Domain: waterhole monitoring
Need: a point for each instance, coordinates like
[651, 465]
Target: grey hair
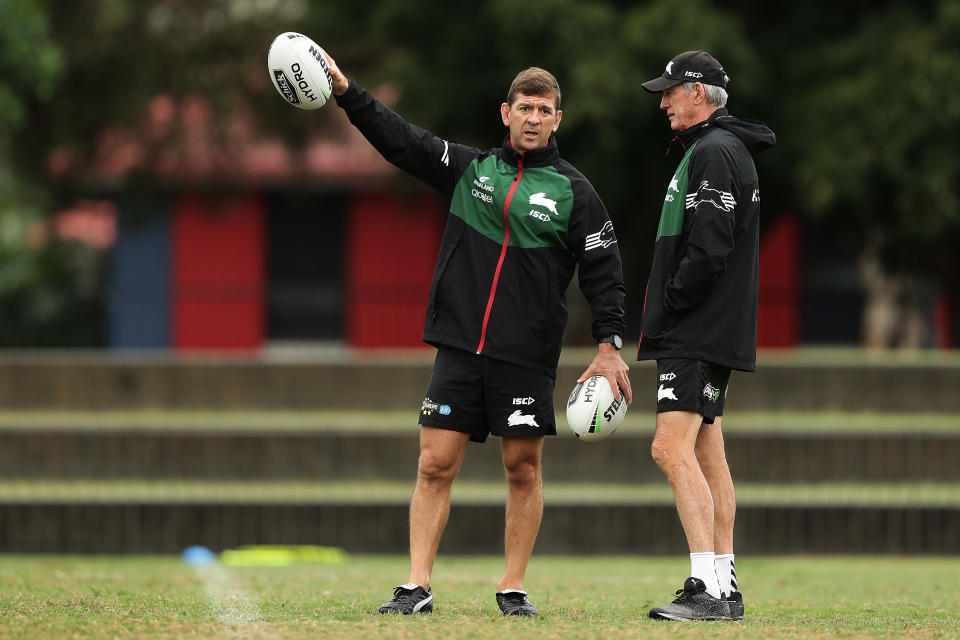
[717, 96]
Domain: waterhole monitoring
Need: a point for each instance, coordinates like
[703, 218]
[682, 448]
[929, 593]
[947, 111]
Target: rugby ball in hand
[592, 412]
[299, 70]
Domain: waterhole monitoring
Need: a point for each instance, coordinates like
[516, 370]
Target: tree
[40, 300]
[875, 156]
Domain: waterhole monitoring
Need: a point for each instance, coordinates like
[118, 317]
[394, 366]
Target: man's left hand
[609, 364]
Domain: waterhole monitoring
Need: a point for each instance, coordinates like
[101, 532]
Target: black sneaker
[513, 602]
[693, 603]
[735, 602]
[409, 598]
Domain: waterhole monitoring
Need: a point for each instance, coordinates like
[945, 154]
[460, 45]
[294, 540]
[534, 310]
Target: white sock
[726, 572]
[701, 566]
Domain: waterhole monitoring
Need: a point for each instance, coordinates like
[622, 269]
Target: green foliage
[50, 295]
[123, 55]
[30, 64]
[48, 289]
[30, 67]
[873, 128]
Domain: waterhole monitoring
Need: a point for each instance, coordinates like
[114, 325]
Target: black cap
[689, 66]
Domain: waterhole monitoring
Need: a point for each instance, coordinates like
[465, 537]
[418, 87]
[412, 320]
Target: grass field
[579, 597]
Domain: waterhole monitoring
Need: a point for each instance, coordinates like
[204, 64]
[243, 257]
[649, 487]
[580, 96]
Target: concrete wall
[269, 454]
[382, 528]
[372, 383]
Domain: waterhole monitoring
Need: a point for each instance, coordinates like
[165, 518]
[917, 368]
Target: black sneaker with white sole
[513, 602]
[693, 603]
[409, 598]
[735, 602]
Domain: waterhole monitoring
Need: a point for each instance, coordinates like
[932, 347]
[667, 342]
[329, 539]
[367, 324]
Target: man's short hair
[716, 96]
[534, 82]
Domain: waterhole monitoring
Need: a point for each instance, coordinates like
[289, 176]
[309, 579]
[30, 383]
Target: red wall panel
[778, 314]
[392, 244]
[218, 272]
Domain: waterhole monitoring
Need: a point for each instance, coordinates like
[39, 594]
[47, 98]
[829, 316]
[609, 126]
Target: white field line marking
[229, 603]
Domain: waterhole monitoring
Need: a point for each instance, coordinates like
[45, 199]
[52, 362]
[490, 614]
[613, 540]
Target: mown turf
[579, 597]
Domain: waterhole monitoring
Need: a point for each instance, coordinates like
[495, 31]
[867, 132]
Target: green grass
[914, 494]
[579, 597]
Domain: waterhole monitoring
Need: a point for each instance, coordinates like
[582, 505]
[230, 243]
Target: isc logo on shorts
[523, 401]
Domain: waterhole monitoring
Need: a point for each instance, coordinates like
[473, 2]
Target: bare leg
[673, 450]
[521, 460]
[713, 462]
[441, 453]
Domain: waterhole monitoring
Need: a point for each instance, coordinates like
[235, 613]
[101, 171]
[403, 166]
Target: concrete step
[787, 381]
[464, 492]
[125, 518]
[317, 452]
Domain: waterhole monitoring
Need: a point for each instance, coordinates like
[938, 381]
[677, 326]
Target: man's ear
[505, 114]
[556, 124]
[700, 93]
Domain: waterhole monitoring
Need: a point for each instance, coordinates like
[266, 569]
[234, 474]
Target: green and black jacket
[519, 225]
[701, 299]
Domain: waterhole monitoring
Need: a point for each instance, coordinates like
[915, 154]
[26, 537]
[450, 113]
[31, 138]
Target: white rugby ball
[299, 70]
[592, 412]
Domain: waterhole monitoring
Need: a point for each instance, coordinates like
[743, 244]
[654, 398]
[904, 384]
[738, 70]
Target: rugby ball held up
[592, 412]
[299, 70]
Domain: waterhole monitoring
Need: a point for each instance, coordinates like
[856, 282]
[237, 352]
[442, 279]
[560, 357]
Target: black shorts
[691, 385]
[479, 395]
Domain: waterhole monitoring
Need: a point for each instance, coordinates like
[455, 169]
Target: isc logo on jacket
[539, 209]
[541, 200]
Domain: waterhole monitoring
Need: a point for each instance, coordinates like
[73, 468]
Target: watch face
[615, 340]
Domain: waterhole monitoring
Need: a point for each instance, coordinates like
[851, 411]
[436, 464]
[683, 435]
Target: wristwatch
[613, 339]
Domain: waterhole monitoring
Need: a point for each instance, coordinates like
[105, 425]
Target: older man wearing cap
[700, 318]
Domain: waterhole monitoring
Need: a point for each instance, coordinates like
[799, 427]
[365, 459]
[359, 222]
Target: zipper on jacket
[503, 253]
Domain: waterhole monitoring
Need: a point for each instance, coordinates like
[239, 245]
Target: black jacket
[519, 224]
[701, 299]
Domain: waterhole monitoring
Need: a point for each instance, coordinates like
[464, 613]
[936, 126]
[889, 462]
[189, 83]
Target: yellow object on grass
[281, 555]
